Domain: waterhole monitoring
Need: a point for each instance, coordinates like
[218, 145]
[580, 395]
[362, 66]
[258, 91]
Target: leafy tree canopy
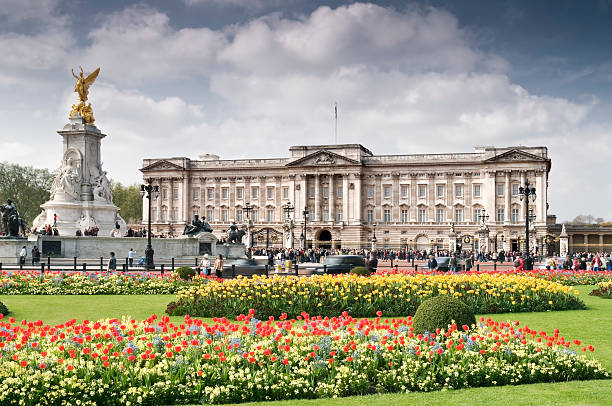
[27, 186]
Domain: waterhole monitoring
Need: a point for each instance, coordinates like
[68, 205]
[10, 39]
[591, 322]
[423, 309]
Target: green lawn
[591, 326]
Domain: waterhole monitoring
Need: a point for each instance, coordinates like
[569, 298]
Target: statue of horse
[235, 236]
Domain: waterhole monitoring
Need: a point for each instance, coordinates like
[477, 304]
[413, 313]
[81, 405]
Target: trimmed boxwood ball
[439, 312]
[3, 309]
[185, 272]
[360, 270]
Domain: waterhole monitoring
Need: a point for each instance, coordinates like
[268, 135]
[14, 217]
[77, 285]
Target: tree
[586, 219]
[27, 186]
[128, 199]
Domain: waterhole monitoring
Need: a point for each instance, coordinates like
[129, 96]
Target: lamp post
[525, 193]
[374, 236]
[483, 234]
[303, 236]
[484, 217]
[248, 209]
[147, 190]
[288, 209]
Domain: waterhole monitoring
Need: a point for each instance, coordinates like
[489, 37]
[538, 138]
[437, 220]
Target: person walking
[432, 264]
[131, 255]
[35, 255]
[219, 266]
[205, 265]
[112, 263]
[22, 256]
[452, 263]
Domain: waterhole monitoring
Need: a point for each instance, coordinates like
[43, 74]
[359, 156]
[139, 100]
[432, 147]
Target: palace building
[353, 197]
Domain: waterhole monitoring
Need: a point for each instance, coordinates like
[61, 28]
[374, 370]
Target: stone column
[345, 199]
[489, 193]
[261, 204]
[217, 200]
[317, 205]
[571, 243]
[357, 199]
[278, 198]
[331, 201]
[449, 198]
[304, 189]
[601, 242]
[395, 193]
[232, 199]
[522, 210]
[507, 196]
[187, 198]
[158, 204]
[586, 242]
[170, 200]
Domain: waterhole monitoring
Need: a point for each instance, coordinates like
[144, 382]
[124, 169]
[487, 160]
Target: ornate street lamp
[484, 217]
[303, 236]
[150, 191]
[288, 209]
[525, 193]
[248, 209]
[374, 236]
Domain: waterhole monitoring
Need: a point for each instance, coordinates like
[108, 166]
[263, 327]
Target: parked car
[444, 264]
[336, 264]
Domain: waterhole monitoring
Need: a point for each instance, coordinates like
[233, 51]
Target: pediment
[162, 164]
[324, 158]
[515, 155]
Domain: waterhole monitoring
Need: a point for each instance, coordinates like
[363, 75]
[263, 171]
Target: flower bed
[116, 362]
[565, 277]
[603, 289]
[93, 283]
[394, 294]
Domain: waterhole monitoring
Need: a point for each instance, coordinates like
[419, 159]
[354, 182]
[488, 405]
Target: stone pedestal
[80, 195]
[231, 251]
[563, 243]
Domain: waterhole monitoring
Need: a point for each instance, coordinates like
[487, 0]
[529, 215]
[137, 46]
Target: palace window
[165, 194]
[285, 193]
[440, 191]
[515, 189]
[387, 216]
[370, 192]
[514, 216]
[422, 217]
[458, 191]
[240, 193]
[500, 190]
[239, 216]
[254, 193]
[164, 213]
[255, 214]
[370, 216]
[325, 215]
[196, 193]
[458, 215]
[500, 215]
[174, 214]
[440, 215]
[339, 214]
[311, 192]
[477, 213]
[224, 193]
[340, 192]
[175, 193]
[209, 215]
[325, 192]
[224, 216]
[404, 191]
[476, 190]
[404, 216]
[270, 215]
[387, 191]
[422, 190]
[154, 214]
[270, 193]
[210, 193]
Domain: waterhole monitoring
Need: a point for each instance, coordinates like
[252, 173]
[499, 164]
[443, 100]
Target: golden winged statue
[82, 88]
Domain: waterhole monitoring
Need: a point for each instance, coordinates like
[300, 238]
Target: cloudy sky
[249, 78]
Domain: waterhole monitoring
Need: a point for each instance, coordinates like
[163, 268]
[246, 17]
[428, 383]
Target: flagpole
[336, 123]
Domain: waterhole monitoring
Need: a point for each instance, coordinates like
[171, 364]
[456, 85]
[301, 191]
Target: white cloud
[248, 4]
[138, 44]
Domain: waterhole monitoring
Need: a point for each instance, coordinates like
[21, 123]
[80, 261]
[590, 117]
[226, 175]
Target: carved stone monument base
[81, 196]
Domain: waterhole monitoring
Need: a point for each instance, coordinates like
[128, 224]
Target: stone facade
[406, 201]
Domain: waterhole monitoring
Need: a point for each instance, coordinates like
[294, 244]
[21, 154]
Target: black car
[243, 266]
[443, 263]
[337, 264]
